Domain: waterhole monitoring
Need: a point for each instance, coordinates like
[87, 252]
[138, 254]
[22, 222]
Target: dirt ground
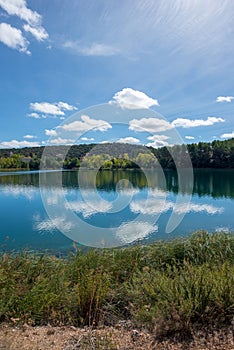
[107, 338]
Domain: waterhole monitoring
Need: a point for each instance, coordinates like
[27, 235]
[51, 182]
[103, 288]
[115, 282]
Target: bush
[167, 287]
[175, 299]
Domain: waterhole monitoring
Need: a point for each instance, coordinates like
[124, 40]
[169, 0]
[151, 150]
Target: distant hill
[216, 154]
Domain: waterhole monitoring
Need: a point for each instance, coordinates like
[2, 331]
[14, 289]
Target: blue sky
[58, 58]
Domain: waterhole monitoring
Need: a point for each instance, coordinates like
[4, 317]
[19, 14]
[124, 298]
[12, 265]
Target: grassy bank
[167, 288]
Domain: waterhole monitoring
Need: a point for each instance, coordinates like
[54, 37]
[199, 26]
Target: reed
[166, 287]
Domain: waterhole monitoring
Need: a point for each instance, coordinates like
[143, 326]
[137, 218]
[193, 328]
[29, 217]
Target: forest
[216, 154]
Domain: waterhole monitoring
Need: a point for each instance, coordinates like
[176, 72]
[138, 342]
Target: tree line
[216, 154]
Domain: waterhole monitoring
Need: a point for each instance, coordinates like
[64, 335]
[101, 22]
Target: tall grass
[167, 287]
[175, 299]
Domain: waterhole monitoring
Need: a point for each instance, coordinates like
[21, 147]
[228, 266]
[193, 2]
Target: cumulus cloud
[149, 125]
[159, 205]
[19, 190]
[29, 137]
[65, 106]
[13, 38]
[133, 99]
[224, 98]
[19, 8]
[157, 193]
[151, 206]
[51, 132]
[50, 225]
[33, 115]
[89, 208]
[188, 123]
[46, 107]
[87, 139]
[189, 137]
[86, 124]
[52, 109]
[95, 49]
[128, 140]
[223, 229]
[61, 141]
[130, 232]
[18, 144]
[55, 195]
[227, 135]
[38, 32]
[157, 141]
[197, 208]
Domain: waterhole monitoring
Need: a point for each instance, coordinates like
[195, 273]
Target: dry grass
[108, 338]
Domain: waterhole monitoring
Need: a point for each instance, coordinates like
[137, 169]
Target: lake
[49, 211]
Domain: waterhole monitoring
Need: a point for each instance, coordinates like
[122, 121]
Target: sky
[149, 67]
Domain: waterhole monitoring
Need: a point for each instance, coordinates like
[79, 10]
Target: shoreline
[171, 290]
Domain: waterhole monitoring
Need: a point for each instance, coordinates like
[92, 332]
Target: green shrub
[177, 298]
[166, 287]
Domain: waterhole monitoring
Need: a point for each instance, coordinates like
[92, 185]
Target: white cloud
[19, 8]
[87, 139]
[89, 208]
[19, 190]
[159, 205]
[151, 125]
[128, 192]
[158, 137]
[53, 109]
[128, 140]
[87, 124]
[94, 49]
[50, 132]
[18, 144]
[197, 208]
[99, 50]
[29, 137]
[65, 106]
[133, 231]
[33, 115]
[223, 229]
[151, 206]
[13, 38]
[189, 137]
[157, 193]
[55, 195]
[188, 123]
[158, 141]
[46, 107]
[61, 141]
[50, 225]
[227, 135]
[224, 98]
[133, 99]
[38, 32]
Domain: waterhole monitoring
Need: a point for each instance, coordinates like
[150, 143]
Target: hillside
[217, 154]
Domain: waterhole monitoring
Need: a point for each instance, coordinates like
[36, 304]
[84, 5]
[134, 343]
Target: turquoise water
[134, 206]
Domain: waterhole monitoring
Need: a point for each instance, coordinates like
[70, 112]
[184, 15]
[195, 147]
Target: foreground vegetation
[167, 288]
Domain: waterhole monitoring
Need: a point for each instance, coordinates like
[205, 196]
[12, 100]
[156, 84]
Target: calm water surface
[125, 201]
